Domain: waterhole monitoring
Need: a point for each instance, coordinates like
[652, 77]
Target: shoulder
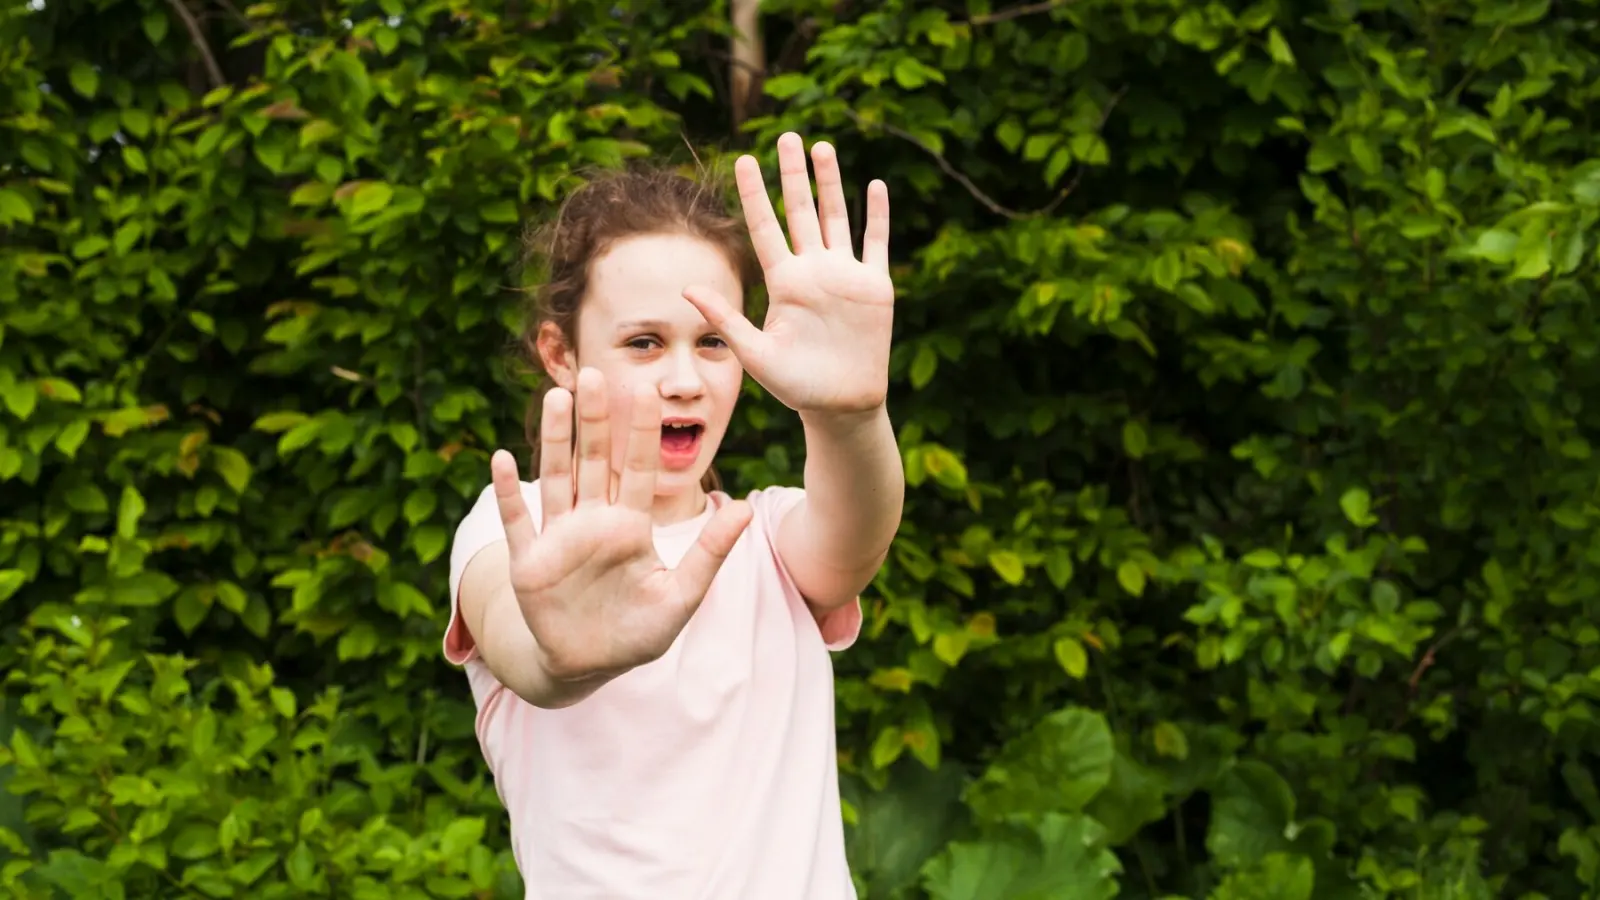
[481, 526]
[770, 505]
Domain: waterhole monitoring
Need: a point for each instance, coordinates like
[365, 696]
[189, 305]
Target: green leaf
[1252, 810]
[190, 609]
[275, 422]
[1007, 565]
[1134, 798]
[232, 465]
[908, 74]
[429, 541]
[11, 581]
[283, 701]
[903, 824]
[129, 511]
[1057, 766]
[1169, 740]
[1134, 439]
[1010, 134]
[155, 25]
[1059, 567]
[787, 85]
[1357, 506]
[84, 79]
[370, 198]
[887, 747]
[1065, 859]
[14, 208]
[500, 212]
[1495, 245]
[301, 867]
[360, 642]
[1131, 576]
[923, 365]
[1074, 659]
[1278, 48]
[195, 841]
[20, 398]
[311, 193]
[461, 835]
[1262, 559]
[420, 505]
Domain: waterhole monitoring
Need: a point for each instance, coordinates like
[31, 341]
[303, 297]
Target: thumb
[743, 337]
[701, 564]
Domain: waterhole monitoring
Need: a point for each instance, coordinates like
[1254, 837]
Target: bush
[1240, 379]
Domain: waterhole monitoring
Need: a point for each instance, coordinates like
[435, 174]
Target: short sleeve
[480, 528]
[840, 627]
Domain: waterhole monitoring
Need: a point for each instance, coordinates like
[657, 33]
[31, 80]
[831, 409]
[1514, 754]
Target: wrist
[844, 422]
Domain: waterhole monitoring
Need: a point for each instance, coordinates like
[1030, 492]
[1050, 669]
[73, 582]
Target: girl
[649, 657]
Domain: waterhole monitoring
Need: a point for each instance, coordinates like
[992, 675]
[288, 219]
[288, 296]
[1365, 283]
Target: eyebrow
[642, 325]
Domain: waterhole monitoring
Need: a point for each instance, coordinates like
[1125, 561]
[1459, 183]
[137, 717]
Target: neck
[673, 508]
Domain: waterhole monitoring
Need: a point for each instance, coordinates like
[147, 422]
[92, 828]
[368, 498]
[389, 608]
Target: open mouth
[680, 437]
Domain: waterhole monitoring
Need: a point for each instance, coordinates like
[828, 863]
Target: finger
[555, 453]
[830, 197]
[799, 209]
[875, 241]
[514, 515]
[701, 564]
[743, 337]
[638, 486]
[594, 438]
[765, 233]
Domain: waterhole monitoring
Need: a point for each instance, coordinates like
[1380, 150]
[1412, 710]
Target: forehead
[643, 277]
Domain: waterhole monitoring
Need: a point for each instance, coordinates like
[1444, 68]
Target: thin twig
[1016, 12]
[977, 193]
[199, 39]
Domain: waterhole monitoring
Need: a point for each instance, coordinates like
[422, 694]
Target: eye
[714, 341]
[643, 343]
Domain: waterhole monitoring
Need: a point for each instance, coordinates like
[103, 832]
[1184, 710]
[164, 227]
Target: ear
[558, 357]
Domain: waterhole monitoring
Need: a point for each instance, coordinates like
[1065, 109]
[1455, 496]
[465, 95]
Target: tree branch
[199, 39]
[977, 193]
[749, 57]
[1016, 12]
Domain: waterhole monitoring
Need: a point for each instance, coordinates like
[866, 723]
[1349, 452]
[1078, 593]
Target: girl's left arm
[823, 352]
[834, 542]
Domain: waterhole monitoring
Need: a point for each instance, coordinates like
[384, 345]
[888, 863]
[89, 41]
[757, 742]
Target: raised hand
[825, 344]
[591, 587]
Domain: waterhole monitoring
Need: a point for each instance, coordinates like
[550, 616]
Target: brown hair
[609, 207]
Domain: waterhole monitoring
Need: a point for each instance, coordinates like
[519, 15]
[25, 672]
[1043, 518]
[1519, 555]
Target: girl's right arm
[490, 612]
[559, 609]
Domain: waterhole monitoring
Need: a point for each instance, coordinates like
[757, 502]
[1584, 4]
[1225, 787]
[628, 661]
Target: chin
[672, 484]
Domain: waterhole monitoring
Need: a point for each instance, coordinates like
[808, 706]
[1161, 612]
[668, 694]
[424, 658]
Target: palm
[598, 597]
[825, 342]
[592, 589]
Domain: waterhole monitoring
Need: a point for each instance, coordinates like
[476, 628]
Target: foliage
[1240, 377]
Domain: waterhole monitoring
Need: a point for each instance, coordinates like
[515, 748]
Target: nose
[682, 380]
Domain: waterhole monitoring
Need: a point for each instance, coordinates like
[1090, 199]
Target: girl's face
[636, 328]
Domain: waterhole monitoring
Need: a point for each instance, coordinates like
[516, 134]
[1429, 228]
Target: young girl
[649, 657]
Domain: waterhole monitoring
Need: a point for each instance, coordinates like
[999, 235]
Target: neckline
[714, 500]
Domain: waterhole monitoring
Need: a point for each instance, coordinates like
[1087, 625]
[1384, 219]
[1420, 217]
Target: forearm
[506, 644]
[513, 654]
[855, 491]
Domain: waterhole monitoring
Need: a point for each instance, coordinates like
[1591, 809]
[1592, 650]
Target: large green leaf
[1058, 766]
[902, 825]
[1064, 859]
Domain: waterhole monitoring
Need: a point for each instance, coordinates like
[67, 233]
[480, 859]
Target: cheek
[725, 380]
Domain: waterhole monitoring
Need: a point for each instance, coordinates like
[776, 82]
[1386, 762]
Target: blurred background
[1240, 373]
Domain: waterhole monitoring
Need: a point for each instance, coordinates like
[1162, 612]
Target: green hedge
[1243, 377]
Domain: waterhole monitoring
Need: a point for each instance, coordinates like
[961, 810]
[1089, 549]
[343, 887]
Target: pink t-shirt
[710, 773]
